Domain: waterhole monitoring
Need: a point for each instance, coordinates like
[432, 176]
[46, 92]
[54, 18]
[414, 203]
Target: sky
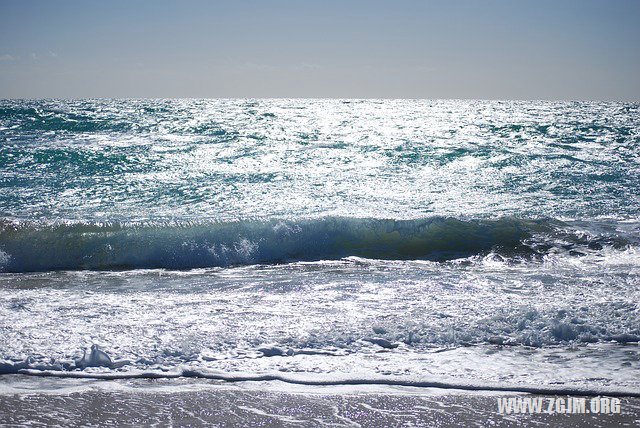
[491, 49]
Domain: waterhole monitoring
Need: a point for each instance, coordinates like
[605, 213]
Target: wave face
[30, 247]
[40, 247]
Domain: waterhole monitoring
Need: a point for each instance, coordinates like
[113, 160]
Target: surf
[41, 246]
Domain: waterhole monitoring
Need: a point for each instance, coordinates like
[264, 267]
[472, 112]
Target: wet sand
[187, 403]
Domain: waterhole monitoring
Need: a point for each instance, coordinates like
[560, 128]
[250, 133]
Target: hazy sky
[401, 49]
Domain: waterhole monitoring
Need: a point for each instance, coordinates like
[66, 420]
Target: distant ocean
[475, 243]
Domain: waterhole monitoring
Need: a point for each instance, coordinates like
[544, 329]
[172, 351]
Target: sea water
[482, 243]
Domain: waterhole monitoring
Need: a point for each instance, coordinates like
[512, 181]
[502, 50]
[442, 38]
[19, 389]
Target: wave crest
[27, 247]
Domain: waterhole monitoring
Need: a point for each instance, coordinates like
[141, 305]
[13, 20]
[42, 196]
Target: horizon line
[325, 98]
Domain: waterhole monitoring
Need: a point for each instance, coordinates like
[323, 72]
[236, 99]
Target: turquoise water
[493, 241]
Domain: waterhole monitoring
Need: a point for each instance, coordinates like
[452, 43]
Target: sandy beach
[182, 402]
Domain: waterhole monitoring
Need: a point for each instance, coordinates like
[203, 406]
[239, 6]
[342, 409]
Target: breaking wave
[39, 246]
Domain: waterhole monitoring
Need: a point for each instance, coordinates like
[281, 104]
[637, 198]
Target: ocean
[468, 244]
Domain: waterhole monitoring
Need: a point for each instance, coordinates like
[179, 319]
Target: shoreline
[333, 381]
